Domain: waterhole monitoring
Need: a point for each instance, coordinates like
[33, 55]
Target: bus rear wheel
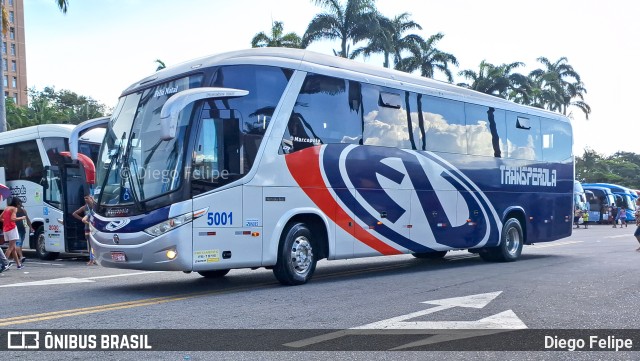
[511, 242]
[214, 274]
[296, 261]
[41, 250]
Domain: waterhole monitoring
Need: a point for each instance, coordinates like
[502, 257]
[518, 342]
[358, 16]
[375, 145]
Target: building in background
[14, 62]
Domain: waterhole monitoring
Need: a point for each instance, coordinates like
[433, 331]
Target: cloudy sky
[102, 46]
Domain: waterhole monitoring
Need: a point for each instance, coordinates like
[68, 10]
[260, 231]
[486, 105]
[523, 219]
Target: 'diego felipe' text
[101, 342]
[592, 343]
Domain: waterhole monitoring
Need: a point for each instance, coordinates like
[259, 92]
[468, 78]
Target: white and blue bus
[277, 158]
[49, 184]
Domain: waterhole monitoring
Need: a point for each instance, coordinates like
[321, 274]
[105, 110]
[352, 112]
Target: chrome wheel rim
[301, 255]
[513, 241]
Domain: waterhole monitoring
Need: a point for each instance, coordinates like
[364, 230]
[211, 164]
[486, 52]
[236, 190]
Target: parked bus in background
[625, 198]
[580, 198]
[601, 202]
[277, 158]
[49, 184]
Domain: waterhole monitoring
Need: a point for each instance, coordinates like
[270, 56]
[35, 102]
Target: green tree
[558, 87]
[160, 65]
[4, 25]
[428, 59]
[277, 38]
[390, 39]
[50, 106]
[499, 80]
[354, 21]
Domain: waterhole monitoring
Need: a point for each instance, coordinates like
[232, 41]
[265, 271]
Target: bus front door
[64, 194]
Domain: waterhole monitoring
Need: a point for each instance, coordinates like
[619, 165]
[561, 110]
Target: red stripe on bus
[304, 166]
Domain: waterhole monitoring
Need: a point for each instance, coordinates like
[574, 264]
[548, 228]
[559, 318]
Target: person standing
[11, 230]
[82, 214]
[614, 215]
[22, 231]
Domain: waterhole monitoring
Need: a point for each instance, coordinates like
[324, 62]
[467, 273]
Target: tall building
[14, 61]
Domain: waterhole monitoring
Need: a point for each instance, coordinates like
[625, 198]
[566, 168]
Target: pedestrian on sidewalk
[22, 230]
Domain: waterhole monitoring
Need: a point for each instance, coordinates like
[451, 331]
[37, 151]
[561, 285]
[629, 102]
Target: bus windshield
[137, 165]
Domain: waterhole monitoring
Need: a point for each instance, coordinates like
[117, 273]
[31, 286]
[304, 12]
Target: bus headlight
[169, 224]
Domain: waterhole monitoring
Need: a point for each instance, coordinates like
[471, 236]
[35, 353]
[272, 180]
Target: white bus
[49, 184]
[277, 158]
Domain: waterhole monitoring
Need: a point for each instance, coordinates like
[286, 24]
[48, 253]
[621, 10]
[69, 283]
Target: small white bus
[49, 184]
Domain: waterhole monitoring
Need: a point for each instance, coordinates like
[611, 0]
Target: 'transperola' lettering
[527, 176]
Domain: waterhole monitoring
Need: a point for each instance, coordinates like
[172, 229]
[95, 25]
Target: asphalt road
[586, 281]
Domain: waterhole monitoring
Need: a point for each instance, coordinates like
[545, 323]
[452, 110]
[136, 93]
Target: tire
[214, 274]
[511, 242]
[40, 246]
[296, 261]
[430, 255]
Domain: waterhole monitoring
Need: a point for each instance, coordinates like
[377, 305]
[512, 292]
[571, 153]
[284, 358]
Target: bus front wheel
[41, 250]
[511, 242]
[296, 261]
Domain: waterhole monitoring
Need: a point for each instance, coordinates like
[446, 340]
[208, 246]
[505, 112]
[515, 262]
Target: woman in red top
[10, 230]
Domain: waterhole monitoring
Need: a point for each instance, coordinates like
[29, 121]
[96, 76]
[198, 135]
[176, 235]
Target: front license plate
[118, 257]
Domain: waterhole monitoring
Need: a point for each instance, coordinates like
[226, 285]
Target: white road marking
[71, 280]
[122, 275]
[554, 244]
[506, 320]
[619, 236]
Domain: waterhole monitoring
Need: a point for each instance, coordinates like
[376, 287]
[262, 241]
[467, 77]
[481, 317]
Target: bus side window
[445, 125]
[328, 110]
[523, 136]
[485, 130]
[556, 140]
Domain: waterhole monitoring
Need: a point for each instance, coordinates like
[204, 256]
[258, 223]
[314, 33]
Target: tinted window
[387, 119]
[444, 125]
[328, 110]
[231, 130]
[254, 111]
[53, 146]
[556, 140]
[21, 161]
[523, 136]
[486, 131]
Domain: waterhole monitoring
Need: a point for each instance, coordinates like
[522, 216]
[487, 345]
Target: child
[585, 218]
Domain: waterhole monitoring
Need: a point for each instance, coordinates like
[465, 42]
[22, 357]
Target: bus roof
[34, 132]
[299, 59]
[613, 187]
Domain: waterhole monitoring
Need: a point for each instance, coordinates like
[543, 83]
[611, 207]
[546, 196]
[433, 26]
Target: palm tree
[161, 65]
[428, 59]
[558, 85]
[4, 25]
[277, 39]
[352, 22]
[498, 80]
[390, 40]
